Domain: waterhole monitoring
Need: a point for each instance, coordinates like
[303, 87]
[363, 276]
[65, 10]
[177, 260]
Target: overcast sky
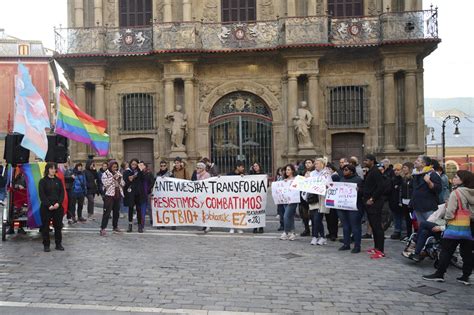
[448, 70]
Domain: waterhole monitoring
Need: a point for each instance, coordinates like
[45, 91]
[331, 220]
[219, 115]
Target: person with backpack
[78, 193]
[426, 188]
[459, 229]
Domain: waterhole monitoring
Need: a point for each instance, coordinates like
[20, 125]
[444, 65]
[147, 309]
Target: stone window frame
[350, 111]
[137, 118]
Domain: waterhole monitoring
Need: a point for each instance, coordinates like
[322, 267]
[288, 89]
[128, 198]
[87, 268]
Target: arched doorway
[240, 128]
[141, 149]
[347, 145]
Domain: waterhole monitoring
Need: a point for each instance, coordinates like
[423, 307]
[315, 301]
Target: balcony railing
[199, 36]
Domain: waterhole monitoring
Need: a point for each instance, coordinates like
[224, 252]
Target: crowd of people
[418, 195]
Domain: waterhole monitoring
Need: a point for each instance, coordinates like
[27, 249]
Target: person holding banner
[202, 174]
[290, 209]
[256, 169]
[51, 192]
[374, 200]
[239, 170]
[318, 209]
[352, 219]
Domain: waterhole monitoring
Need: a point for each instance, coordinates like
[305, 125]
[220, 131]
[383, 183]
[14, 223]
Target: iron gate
[244, 138]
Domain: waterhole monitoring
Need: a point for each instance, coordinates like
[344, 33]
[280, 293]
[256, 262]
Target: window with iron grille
[238, 10]
[344, 8]
[347, 107]
[137, 112]
[135, 12]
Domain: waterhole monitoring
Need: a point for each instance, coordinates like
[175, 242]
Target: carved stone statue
[302, 125]
[178, 128]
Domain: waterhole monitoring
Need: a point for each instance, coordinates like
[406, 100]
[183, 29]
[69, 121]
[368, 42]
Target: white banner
[226, 201]
[342, 196]
[314, 185]
[283, 194]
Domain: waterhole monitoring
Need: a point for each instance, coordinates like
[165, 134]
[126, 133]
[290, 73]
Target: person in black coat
[374, 200]
[51, 192]
[135, 195]
[92, 190]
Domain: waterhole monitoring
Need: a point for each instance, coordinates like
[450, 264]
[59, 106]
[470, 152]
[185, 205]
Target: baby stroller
[432, 249]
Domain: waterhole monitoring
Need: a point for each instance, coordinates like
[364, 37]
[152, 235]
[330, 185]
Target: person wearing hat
[373, 200]
[113, 184]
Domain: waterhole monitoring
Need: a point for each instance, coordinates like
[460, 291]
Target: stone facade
[281, 75]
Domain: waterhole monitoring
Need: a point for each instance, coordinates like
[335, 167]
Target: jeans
[90, 204]
[422, 216]
[281, 213]
[448, 247]
[317, 226]
[332, 222]
[351, 223]
[424, 231]
[289, 217]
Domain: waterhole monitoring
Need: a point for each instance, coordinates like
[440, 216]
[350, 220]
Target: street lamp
[456, 121]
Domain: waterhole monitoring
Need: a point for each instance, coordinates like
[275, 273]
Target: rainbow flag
[33, 173]
[74, 124]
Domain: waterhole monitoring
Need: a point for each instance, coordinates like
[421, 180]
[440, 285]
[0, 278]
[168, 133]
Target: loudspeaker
[57, 149]
[14, 153]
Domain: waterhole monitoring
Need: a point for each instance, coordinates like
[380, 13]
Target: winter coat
[51, 191]
[134, 188]
[425, 199]
[79, 185]
[110, 184]
[373, 188]
[91, 179]
[406, 190]
[467, 200]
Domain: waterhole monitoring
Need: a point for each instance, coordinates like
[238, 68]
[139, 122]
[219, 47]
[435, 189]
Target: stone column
[187, 11]
[291, 112]
[389, 111]
[313, 94]
[98, 12]
[312, 8]
[191, 114]
[169, 96]
[167, 15]
[99, 101]
[380, 111]
[81, 150]
[291, 8]
[78, 13]
[411, 109]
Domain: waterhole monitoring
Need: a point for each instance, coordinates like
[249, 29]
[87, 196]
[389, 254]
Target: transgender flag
[31, 117]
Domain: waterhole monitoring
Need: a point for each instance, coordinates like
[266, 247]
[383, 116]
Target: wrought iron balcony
[294, 31]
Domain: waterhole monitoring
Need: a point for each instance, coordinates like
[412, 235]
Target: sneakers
[314, 241]
[231, 231]
[371, 251]
[207, 229]
[377, 255]
[117, 230]
[69, 222]
[284, 236]
[322, 241]
[415, 257]
[434, 277]
[292, 236]
[464, 280]
[102, 233]
[240, 231]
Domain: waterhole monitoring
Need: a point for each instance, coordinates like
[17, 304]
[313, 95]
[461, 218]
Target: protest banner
[283, 194]
[226, 201]
[314, 185]
[342, 196]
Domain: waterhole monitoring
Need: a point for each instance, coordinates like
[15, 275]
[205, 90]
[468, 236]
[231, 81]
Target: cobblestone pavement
[186, 271]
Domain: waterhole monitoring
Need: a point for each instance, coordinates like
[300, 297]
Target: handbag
[459, 228]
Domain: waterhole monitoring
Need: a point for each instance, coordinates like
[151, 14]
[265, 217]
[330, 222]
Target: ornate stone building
[240, 70]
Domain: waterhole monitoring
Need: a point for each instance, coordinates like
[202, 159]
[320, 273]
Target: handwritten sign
[227, 201]
[342, 196]
[283, 194]
[314, 185]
